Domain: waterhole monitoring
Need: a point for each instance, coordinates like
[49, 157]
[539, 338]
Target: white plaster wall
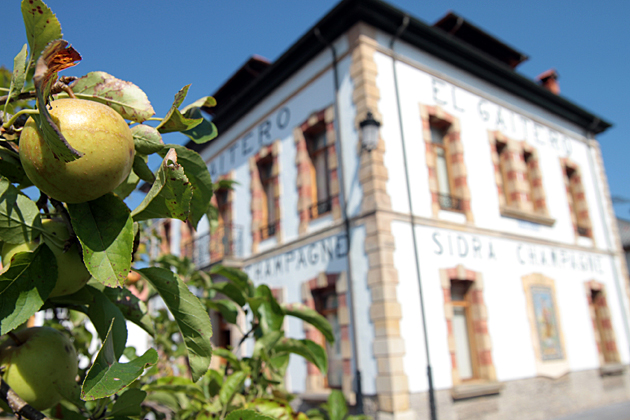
[480, 108]
[275, 118]
[502, 266]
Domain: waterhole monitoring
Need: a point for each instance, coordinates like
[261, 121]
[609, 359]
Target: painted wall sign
[313, 254]
[263, 134]
[499, 118]
[475, 247]
[561, 258]
[462, 246]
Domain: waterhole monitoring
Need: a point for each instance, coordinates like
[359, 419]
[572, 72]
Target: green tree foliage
[173, 379]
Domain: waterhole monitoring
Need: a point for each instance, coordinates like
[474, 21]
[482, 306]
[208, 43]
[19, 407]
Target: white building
[480, 227]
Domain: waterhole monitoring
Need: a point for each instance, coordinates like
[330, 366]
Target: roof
[465, 31]
[624, 232]
[433, 40]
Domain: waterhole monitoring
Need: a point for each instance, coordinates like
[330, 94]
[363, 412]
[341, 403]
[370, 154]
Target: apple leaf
[127, 186]
[128, 403]
[11, 168]
[107, 376]
[311, 316]
[105, 230]
[202, 133]
[25, 286]
[124, 97]
[231, 386]
[131, 307]
[244, 414]
[141, 168]
[19, 74]
[170, 195]
[57, 55]
[42, 26]
[308, 349]
[205, 102]
[174, 120]
[198, 175]
[19, 216]
[101, 311]
[147, 140]
[189, 313]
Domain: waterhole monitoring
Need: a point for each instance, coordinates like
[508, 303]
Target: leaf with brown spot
[41, 26]
[124, 97]
[57, 55]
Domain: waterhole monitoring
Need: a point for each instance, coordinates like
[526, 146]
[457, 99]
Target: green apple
[91, 128]
[71, 271]
[43, 362]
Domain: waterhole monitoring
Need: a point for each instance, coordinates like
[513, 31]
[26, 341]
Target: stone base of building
[531, 399]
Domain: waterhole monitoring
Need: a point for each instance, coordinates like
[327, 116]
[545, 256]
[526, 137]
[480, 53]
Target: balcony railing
[448, 202]
[582, 231]
[209, 248]
[321, 207]
[268, 231]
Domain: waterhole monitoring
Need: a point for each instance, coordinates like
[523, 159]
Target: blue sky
[163, 45]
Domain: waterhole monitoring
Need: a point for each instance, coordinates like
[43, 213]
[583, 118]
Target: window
[326, 294]
[327, 304]
[468, 337]
[576, 198]
[267, 179]
[445, 162]
[445, 188]
[316, 143]
[462, 329]
[602, 324]
[316, 163]
[264, 169]
[519, 180]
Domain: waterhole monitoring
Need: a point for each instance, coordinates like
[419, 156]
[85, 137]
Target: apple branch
[18, 405]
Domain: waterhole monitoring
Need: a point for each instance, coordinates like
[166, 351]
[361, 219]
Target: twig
[18, 405]
[65, 216]
[168, 414]
[21, 96]
[42, 203]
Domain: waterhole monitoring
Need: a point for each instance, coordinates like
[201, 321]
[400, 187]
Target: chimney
[549, 80]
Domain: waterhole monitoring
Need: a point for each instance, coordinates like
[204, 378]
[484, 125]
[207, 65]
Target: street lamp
[369, 132]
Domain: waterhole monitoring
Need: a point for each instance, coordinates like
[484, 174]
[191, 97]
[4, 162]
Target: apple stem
[42, 203]
[14, 118]
[18, 405]
[15, 338]
[65, 216]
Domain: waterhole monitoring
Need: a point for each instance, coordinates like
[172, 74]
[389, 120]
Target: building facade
[477, 237]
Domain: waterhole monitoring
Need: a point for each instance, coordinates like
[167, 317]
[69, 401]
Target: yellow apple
[71, 271]
[43, 362]
[91, 128]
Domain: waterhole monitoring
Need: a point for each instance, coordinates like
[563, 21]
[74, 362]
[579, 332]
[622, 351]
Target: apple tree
[72, 150]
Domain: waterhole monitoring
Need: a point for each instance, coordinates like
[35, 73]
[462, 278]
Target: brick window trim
[315, 379]
[436, 116]
[548, 368]
[257, 192]
[608, 343]
[486, 383]
[325, 117]
[528, 195]
[581, 217]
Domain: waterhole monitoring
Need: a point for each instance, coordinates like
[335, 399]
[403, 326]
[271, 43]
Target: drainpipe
[432, 407]
[609, 242]
[346, 221]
